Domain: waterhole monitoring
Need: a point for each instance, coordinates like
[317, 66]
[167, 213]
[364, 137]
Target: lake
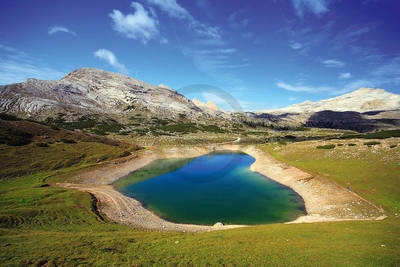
[218, 187]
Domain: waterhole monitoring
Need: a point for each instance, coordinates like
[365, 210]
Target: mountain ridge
[88, 94]
[361, 100]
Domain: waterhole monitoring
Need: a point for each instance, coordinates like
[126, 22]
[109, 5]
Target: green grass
[373, 174]
[42, 224]
[32, 158]
[59, 226]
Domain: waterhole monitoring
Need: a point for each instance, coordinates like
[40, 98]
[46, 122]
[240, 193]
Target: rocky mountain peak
[90, 90]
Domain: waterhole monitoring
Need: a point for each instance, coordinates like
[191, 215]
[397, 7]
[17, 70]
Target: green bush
[42, 145]
[15, 137]
[326, 147]
[393, 146]
[68, 141]
[301, 129]
[180, 127]
[211, 128]
[125, 154]
[371, 143]
[375, 135]
[351, 144]
[339, 144]
[8, 117]
[124, 132]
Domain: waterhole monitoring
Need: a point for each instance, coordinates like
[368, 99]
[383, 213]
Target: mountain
[103, 101]
[361, 100]
[363, 110]
[209, 106]
[93, 91]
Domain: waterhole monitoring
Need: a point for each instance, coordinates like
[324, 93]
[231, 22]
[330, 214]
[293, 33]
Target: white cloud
[203, 30]
[315, 6]
[345, 75]
[237, 23]
[291, 99]
[139, 26]
[390, 68]
[172, 8]
[55, 29]
[111, 59]
[208, 49]
[17, 66]
[295, 45]
[217, 51]
[207, 31]
[357, 32]
[333, 63]
[302, 88]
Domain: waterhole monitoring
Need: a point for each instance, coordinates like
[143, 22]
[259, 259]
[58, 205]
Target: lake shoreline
[335, 204]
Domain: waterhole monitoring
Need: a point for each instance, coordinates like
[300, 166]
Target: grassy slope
[62, 148]
[60, 226]
[372, 172]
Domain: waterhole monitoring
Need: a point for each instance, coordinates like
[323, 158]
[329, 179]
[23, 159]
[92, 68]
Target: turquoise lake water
[212, 188]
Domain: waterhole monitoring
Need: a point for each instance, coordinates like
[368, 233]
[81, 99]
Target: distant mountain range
[361, 100]
[89, 92]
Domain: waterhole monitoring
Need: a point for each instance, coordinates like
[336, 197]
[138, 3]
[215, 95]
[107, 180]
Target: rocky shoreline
[324, 200]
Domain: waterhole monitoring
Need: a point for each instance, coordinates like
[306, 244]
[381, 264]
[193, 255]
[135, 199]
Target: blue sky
[266, 54]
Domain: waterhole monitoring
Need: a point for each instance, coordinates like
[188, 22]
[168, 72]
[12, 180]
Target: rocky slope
[363, 110]
[87, 90]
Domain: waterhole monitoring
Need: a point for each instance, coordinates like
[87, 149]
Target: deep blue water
[212, 188]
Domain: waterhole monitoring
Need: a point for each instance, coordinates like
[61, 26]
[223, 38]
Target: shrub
[42, 145]
[125, 154]
[124, 132]
[8, 117]
[326, 147]
[302, 129]
[68, 141]
[15, 137]
[393, 146]
[180, 127]
[375, 135]
[371, 143]
[212, 128]
[351, 144]
[339, 144]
